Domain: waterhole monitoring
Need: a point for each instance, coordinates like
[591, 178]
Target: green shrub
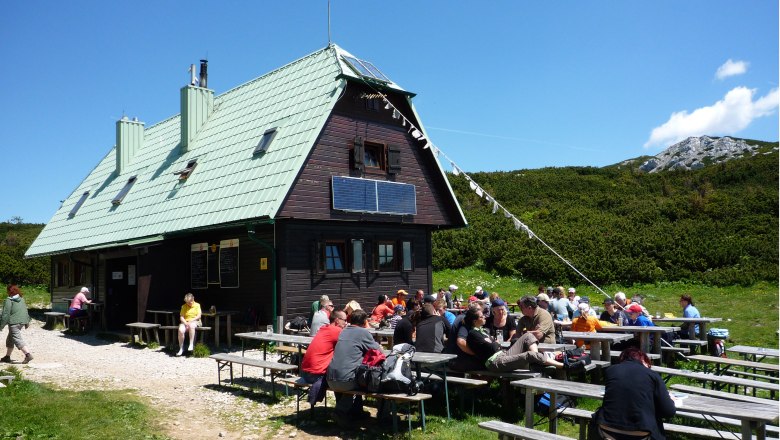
[201, 350]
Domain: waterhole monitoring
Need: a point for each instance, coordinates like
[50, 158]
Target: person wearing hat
[586, 323]
[536, 320]
[449, 295]
[398, 314]
[77, 302]
[404, 329]
[500, 323]
[612, 314]
[558, 306]
[636, 317]
[544, 302]
[400, 298]
[591, 312]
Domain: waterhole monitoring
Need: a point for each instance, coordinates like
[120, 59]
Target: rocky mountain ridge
[697, 152]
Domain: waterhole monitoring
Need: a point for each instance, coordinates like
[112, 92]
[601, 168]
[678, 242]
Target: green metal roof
[230, 185]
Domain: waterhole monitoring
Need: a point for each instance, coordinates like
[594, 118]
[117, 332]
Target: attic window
[118, 199]
[81, 201]
[365, 69]
[185, 173]
[265, 141]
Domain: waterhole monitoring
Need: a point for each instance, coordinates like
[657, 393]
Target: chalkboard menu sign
[213, 264]
[199, 265]
[228, 263]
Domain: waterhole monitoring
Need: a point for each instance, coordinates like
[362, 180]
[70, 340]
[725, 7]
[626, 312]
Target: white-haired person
[189, 320]
[586, 322]
[78, 302]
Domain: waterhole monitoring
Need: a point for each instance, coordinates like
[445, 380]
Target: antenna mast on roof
[328, 22]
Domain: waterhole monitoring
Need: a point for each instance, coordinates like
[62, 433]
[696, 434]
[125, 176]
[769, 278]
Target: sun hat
[542, 297]
[401, 292]
[634, 308]
[572, 290]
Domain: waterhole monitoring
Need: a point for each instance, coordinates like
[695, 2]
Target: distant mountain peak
[697, 152]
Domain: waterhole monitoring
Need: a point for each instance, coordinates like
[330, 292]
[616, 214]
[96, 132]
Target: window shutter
[358, 154]
[393, 159]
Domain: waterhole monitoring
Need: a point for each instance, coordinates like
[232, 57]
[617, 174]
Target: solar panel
[373, 196]
[365, 68]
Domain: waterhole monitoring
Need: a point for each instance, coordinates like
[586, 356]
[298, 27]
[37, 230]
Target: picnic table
[703, 322]
[169, 316]
[216, 318]
[143, 327]
[644, 335]
[600, 349]
[715, 380]
[436, 362]
[755, 354]
[747, 413]
[379, 333]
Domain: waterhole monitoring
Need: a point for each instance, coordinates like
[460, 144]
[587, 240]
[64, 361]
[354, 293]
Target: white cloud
[731, 114]
[731, 68]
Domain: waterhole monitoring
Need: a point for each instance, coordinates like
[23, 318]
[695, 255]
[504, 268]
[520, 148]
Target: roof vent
[129, 140]
[197, 102]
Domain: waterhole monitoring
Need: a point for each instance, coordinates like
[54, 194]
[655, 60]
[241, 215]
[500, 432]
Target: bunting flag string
[419, 135]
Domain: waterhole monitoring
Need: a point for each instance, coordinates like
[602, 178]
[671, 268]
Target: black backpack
[299, 323]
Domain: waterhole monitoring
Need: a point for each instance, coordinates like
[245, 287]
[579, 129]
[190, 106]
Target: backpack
[562, 401]
[299, 323]
[397, 376]
[573, 359]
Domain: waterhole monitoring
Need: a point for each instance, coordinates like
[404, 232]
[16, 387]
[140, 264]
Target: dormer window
[265, 141]
[119, 197]
[78, 204]
[185, 173]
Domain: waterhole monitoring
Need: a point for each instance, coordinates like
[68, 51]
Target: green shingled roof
[230, 184]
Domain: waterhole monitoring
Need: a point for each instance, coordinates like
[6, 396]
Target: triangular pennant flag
[507, 214]
[528, 231]
[435, 151]
[517, 223]
[472, 185]
[479, 191]
[455, 170]
[495, 206]
[416, 133]
[396, 114]
[427, 145]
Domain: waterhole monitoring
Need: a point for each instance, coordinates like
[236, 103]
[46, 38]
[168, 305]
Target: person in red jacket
[320, 351]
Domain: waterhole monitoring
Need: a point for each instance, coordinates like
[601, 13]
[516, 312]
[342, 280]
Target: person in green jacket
[15, 316]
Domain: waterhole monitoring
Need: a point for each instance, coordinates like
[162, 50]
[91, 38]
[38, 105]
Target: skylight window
[78, 204]
[185, 173]
[118, 199]
[265, 141]
[365, 68]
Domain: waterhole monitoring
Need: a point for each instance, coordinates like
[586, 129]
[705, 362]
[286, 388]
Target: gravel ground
[177, 388]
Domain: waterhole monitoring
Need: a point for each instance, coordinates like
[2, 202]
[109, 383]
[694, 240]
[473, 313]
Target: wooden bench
[301, 392]
[170, 333]
[683, 350]
[395, 398]
[143, 327]
[52, 318]
[582, 417]
[465, 383]
[510, 431]
[76, 323]
[289, 352]
[225, 360]
[692, 342]
[722, 420]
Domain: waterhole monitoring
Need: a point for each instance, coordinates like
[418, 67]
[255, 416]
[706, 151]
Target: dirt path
[180, 389]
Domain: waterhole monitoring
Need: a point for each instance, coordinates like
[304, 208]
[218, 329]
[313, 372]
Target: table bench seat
[225, 360]
[698, 342]
[170, 333]
[394, 398]
[508, 430]
[724, 395]
[141, 328]
[302, 389]
[53, 317]
[683, 350]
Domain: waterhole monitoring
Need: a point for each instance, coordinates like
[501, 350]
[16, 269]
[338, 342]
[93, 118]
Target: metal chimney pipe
[204, 73]
[193, 80]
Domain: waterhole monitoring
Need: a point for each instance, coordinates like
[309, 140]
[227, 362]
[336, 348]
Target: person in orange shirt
[585, 323]
[400, 298]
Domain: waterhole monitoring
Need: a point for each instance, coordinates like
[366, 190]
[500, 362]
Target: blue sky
[501, 85]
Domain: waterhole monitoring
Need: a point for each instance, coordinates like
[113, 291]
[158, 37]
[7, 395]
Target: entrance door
[121, 292]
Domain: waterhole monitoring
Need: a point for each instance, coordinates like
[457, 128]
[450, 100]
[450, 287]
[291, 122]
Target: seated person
[400, 298]
[322, 317]
[404, 329]
[351, 307]
[319, 354]
[353, 343]
[189, 320]
[383, 309]
[591, 312]
[611, 313]
[636, 317]
[457, 343]
[77, 302]
[535, 318]
[398, 315]
[635, 400]
[689, 311]
[429, 331]
[523, 353]
[585, 322]
[500, 322]
[448, 316]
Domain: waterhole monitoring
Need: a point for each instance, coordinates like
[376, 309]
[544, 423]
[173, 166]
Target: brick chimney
[129, 139]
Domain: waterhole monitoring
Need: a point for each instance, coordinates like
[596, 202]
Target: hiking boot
[27, 358]
[6, 359]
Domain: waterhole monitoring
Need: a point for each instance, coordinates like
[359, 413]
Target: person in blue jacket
[689, 311]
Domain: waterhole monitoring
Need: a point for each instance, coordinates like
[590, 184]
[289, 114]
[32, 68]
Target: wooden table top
[276, 337]
[692, 403]
[594, 336]
[142, 325]
[638, 329]
[731, 380]
[681, 319]
[736, 362]
[758, 351]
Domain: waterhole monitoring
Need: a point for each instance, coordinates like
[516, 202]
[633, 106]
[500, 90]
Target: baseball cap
[572, 290]
[608, 301]
[473, 298]
[398, 308]
[453, 287]
[429, 299]
[478, 289]
[84, 290]
[498, 302]
[634, 308]
[550, 289]
[402, 292]
[542, 297]
[585, 299]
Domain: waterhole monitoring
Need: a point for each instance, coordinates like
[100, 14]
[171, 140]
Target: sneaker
[27, 358]
[6, 359]
[191, 348]
[180, 352]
